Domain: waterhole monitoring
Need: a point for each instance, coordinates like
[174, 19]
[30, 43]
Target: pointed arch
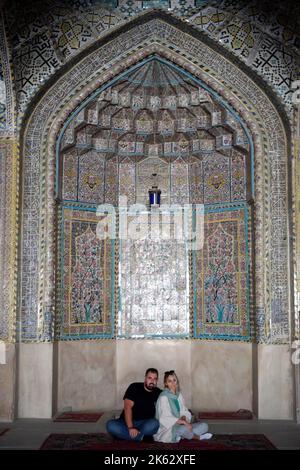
[192, 51]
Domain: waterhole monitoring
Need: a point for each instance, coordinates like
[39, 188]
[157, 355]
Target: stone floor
[31, 433]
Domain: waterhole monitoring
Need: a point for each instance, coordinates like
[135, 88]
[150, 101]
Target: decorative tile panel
[196, 182]
[91, 177]
[2, 99]
[238, 177]
[8, 237]
[153, 172]
[221, 276]
[4, 213]
[87, 277]
[112, 181]
[127, 180]
[216, 179]
[154, 297]
[70, 176]
[179, 182]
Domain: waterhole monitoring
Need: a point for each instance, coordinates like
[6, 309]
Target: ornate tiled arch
[220, 72]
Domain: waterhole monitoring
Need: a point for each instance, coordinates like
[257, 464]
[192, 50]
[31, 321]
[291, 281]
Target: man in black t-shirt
[138, 417]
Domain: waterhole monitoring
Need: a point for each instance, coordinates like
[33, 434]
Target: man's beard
[149, 387]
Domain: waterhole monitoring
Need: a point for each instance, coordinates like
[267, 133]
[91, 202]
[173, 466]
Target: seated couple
[149, 411]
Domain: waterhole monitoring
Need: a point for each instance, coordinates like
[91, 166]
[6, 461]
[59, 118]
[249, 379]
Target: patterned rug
[78, 417]
[240, 414]
[3, 431]
[101, 441]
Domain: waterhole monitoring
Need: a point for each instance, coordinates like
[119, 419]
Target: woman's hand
[181, 421]
[189, 426]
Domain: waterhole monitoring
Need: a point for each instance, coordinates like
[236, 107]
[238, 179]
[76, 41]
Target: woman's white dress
[167, 419]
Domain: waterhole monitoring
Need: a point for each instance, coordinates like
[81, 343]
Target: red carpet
[78, 417]
[101, 441]
[240, 414]
[3, 431]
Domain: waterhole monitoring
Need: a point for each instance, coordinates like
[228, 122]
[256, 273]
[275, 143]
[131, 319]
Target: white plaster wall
[35, 380]
[86, 375]
[221, 375]
[297, 387]
[275, 383]
[214, 375]
[135, 356]
[7, 382]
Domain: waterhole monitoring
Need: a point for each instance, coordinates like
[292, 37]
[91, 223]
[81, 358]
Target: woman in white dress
[174, 417]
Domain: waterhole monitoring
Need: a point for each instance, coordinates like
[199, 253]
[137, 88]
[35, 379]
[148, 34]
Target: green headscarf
[175, 408]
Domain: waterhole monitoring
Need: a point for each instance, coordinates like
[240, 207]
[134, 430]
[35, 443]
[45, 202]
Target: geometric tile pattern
[6, 92]
[279, 21]
[2, 99]
[44, 36]
[9, 182]
[34, 61]
[296, 234]
[274, 61]
[210, 19]
[8, 237]
[51, 32]
[4, 317]
[241, 36]
[69, 35]
[264, 41]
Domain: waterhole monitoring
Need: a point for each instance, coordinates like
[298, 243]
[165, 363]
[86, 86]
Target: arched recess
[161, 34]
[155, 117]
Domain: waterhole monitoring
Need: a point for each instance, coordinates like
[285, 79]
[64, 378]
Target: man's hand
[128, 404]
[133, 432]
